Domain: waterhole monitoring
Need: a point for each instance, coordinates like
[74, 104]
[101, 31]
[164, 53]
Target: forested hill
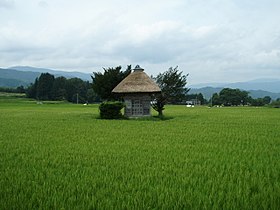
[56, 73]
[207, 92]
[24, 75]
[14, 78]
[267, 84]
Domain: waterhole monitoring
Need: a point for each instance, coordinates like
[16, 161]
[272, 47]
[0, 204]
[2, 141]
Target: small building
[137, 90]
[193, 102]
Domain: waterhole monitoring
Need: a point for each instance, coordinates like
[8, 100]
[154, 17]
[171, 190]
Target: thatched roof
[137, 82]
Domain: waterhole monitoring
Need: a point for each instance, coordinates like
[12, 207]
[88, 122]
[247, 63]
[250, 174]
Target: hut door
[137, 107]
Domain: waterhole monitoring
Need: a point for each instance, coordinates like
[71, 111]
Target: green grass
[61, 156]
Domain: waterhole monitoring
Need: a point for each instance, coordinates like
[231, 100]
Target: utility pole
[77, 98]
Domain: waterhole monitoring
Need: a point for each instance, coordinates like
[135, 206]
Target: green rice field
[61, 156]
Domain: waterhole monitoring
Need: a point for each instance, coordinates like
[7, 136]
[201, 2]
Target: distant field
[60, 156]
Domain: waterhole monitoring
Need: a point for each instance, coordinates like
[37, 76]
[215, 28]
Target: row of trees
[172, 83]
[47, 87]
[235, 97]
[19, 89]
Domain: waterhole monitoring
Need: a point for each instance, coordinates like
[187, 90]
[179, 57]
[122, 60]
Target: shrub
[275, 104]
[111, 110]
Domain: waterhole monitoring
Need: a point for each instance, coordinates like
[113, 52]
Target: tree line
[19, 89]
[47, 87]
[236, 97]
[172, 83]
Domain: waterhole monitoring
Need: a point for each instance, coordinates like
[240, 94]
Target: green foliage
[173, 89]
[257, 102]
[260, 101]
[173, 85]
[158, 103]
[44, 88]
[92, 96]
[58, 89]
[198, 96]
[111, 110]
[230, 97]
[267, 99]
[215, 100]
[234, 97]
[60, 156]
[32, 90]
[19, 89]
[275, 104]
[104, 83]
[76, 87]
[47, 87]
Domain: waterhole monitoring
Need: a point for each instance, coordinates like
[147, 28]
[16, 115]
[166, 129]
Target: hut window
[137, 108]
[146, 107]
[128, 108]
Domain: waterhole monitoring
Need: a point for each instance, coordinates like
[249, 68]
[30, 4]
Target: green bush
[111, 110]
[275, 104]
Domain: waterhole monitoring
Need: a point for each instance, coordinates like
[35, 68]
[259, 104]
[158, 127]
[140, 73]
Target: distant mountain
[14, 78]
[11, 83]
[262, 93]
[24, 75]
[57, 73]
[271, 85]
[207, 92]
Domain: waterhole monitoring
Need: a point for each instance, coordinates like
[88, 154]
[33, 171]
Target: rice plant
[62, 156]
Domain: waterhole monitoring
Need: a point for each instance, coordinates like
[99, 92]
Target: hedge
[111, 110]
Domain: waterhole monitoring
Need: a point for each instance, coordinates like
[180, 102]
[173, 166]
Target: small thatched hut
[137, 90]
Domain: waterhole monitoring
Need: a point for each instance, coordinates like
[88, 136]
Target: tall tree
[215, 100]
[32, 90]
[58, 88]
[104, 83]
[76, 90]
[45, 83]
[267, 99]
[158, 103]
[173, 86]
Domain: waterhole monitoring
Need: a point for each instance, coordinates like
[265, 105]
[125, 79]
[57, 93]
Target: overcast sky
[212, 40]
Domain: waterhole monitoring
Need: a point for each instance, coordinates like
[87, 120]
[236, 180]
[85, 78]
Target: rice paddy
[61, 156]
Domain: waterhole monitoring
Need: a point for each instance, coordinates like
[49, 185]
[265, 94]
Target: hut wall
[137, 105]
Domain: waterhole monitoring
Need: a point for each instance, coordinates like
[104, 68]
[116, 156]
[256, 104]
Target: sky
[211, 40]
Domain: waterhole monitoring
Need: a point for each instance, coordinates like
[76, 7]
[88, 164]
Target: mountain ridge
[266, 84]
[207, 92]
[67, 74]
[24, 75]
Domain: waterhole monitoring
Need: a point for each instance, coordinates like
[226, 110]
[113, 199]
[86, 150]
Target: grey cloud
[233, 43]
[43, 4]
[7, 4]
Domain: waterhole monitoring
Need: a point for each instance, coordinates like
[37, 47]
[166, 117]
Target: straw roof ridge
[137, 82]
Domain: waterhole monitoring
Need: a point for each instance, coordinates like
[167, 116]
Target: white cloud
[214, 40]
